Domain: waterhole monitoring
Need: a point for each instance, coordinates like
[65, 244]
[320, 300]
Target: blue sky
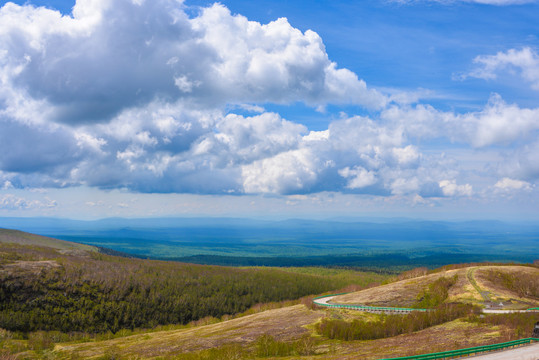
[423, 109]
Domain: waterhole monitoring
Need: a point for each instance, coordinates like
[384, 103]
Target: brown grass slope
[24, 238]
[285, 324]
[471, 286]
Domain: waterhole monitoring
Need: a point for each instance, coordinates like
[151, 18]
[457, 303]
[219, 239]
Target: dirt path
[471, 278]
[492, 306]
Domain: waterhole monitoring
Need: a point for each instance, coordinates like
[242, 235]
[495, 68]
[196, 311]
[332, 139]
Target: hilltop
[486, 286]
[8, 236]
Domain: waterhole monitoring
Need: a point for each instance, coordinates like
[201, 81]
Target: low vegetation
[392, 325]
[436, 293]
[524, 284]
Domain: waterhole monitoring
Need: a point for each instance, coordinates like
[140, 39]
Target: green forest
[94, 293]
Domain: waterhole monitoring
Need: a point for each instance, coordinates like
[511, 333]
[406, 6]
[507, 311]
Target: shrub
[524, 284]
[392, 325]
[436, 293]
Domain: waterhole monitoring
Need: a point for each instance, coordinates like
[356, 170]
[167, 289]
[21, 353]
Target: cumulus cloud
[450, 188]
[108, 57]
[288, 172]
[173, 148]
[358, 177]
[356, 155]
[498, 123]
[526, 60]
[512, 184]
[138, 95]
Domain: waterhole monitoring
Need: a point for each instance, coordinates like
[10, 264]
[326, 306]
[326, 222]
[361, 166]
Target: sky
[378, 108]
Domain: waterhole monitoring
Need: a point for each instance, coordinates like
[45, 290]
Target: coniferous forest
[93, 292]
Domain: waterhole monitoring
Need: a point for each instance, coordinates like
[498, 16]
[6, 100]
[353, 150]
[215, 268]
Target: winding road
[486, 295]
[528, 352]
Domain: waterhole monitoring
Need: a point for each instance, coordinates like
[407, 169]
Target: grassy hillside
[485, 286]
[8, 236]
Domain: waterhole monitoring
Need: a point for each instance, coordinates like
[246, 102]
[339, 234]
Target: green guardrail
[364, 307]
[467, 351]
[533, 309]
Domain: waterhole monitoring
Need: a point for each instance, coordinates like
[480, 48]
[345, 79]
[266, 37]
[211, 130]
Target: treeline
[514, 326]
[100, 293]
[387, 262]
[392, 325]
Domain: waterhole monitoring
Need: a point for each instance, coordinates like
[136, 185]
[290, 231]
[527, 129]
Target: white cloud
[501, 123]
[252, 108]
[173, 148]
[148, 105]
[498, 123]
[512, 184]
[288, 172]
[450, 188]
[13, 202]
[90, 67]
[276, 62]
[7, 185]
[522, 163]
[403, 186]
[354, 155]
[407, 156]
[525, 59]
[358, 177]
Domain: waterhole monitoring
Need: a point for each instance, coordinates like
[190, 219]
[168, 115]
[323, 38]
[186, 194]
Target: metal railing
[365, 307]
[468, 351]
[433, 356]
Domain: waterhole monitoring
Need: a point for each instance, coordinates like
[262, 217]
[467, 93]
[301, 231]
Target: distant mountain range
[335, 241]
